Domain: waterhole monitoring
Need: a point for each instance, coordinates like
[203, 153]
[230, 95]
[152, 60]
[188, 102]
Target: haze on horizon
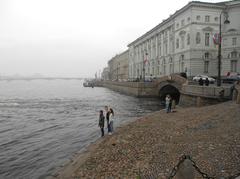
[72, 38]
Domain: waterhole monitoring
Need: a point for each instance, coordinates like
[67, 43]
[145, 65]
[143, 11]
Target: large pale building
[184, 42]
[118, 67]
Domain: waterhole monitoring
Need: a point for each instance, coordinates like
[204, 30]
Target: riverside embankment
[153, 144]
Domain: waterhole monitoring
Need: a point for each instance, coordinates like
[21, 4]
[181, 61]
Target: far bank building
[184, 42]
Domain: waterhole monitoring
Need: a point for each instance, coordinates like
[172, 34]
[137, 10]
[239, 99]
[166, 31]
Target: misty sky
[73, 38]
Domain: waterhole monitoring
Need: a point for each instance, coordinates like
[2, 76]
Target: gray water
[44, 122]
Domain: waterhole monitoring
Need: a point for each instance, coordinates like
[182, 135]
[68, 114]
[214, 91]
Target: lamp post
[226, 21]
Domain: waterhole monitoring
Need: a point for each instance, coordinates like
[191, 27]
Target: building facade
[105, 73]
[118, 67]
[184, 42]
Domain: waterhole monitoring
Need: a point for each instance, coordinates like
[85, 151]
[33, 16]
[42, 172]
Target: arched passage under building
[171, 90]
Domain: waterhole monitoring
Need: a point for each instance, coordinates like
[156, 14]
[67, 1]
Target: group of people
[109, 116]
[170, 103]
[201, 82]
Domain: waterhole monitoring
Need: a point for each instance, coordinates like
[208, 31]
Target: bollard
[186, 170]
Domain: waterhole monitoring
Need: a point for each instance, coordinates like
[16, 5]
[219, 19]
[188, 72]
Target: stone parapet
[207, 91]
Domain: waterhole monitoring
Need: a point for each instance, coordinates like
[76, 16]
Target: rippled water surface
[44, 122]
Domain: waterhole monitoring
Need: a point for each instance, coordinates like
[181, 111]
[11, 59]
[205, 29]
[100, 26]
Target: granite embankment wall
[191, 95]
[236, 93]
[194, 95]
[138, 89]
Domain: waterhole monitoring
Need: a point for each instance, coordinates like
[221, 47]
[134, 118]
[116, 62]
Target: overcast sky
[73, 38]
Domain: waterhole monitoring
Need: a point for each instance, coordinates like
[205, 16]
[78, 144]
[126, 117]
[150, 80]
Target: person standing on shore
[111, 117]
[107, 117]
[101, 122]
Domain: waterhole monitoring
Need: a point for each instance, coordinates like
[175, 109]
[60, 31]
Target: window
[206, 55]
[166, 48]
[234, 66]
[177, 43]
[188, 19]
[206, 65]
[207, 18]
[177, 25]
[181, 63]
[216, 19]
[182, 42]
[182, 22]
[234, 54]
[164, 66]
[188, 39]
[198, 18]
[171, 66]
[234, 41]
[198, 38]
[207, 35]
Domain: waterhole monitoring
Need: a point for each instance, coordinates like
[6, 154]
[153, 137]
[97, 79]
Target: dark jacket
[101, 121]
[107, 116]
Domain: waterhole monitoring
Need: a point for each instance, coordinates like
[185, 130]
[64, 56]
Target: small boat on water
[88, 84]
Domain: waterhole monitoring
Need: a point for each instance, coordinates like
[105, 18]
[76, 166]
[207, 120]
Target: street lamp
[226, 21]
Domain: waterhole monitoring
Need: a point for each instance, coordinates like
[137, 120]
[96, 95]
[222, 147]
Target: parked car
[204, 77]
[231, 79]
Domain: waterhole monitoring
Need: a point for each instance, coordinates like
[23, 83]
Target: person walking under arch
[167, 102]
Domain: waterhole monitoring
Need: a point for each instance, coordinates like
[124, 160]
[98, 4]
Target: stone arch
[171, 90]
[172, 85]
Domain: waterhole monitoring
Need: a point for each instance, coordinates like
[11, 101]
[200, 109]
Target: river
[44, 122]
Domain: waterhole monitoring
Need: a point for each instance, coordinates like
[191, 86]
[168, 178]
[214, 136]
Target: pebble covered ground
[152, 145]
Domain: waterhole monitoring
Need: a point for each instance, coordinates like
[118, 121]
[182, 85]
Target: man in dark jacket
[101, 122]
[206, 82]
[200, 82]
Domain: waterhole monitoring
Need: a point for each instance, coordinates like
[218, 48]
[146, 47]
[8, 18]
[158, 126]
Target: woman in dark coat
[101, 122]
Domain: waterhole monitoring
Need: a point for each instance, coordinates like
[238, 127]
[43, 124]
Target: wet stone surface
[151, 146]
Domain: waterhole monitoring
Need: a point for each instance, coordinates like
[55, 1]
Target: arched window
[182, 41]
[198, 38]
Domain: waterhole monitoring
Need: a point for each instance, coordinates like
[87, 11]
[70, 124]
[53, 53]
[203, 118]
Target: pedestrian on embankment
[101, 122]
[167, 102]
[200, 82]
[111, 119]
[206, 82]
[170, 104]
